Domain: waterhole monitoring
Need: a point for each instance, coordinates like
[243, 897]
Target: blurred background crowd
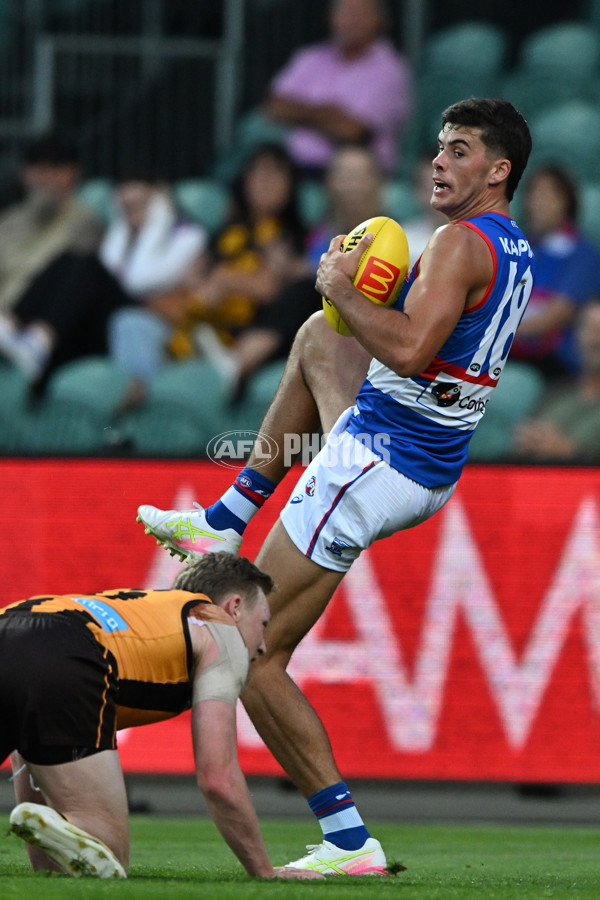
[172, 170]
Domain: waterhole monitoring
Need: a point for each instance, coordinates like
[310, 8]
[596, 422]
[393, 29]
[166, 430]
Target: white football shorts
[349, 497]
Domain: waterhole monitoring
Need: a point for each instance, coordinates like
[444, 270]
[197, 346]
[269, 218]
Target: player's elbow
[410, 362]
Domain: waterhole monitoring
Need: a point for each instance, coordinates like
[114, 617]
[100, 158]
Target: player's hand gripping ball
[382, 268]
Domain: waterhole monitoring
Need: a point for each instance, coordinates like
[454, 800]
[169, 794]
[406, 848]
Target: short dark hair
[219, 574]
[53, 150]
[503, 130]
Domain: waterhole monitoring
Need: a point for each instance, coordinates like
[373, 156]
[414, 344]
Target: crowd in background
[151, 288]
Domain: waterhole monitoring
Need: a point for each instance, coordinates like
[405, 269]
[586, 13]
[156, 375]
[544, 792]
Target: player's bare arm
[218, 773]
[455, 271]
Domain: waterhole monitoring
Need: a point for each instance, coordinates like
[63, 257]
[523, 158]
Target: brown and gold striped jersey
[148, 635]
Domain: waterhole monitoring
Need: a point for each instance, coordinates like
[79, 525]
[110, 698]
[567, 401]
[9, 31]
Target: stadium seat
[516, 396]
[14, 387]
[562, 47]
[311, 201]
[589, 216]
[63, 427]
[556, 64]
[399, 200]
[186, 407]
[163, 429]
[260, 390]
[253, 129]
[479, 47]
[95, 382]
[14, 414]
[77, 410]
[203, 200]
[567, 134]
[97, 194]
[437, 89]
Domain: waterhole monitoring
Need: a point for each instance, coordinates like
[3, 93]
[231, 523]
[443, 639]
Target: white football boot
[74, 850]
[186, 533]
[328, 859]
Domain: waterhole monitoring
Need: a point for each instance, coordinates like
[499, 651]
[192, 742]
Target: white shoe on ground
[331, 860]
[186, 533]
[74, 850]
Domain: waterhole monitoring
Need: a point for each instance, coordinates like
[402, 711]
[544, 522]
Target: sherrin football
[382, 269]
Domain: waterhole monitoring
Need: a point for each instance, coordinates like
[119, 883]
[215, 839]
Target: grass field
[186, 858]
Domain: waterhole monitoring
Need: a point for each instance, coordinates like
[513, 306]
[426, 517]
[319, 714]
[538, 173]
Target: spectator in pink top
[353, 88]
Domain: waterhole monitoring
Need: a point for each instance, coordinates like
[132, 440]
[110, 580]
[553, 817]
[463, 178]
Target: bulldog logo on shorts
[310, 486]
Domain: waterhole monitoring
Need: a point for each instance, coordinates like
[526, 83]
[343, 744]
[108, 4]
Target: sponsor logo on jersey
[337, 546]
[446, 393]
[103, 613]
[378, 279]
[310, 486]
[297, 499]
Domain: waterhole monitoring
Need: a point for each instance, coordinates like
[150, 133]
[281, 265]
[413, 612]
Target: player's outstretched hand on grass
[284, 872]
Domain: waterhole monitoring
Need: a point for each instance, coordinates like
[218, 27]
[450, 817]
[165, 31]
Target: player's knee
[311, 339]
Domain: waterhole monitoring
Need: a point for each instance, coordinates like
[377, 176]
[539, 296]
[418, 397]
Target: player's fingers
[337, 242]
[291, 872]
[362, 245]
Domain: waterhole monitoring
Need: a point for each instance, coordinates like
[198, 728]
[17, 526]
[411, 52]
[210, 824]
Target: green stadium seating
[561, 48]
[260, 390]
[475, 46]
[186, 407]
[203, 200]
[95, 382]
[14, 402]
[556, 64]
[252, 130]
[515, 397]
[311, 201]
[567, 134]
[589, 216]
[97, 195]
[399, 200]
[78, 409]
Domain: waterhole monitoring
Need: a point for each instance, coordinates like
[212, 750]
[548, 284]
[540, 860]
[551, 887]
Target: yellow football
[382, 268]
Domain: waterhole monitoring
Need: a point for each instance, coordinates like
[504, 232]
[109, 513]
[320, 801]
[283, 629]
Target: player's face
[251, 621]
[463, 171]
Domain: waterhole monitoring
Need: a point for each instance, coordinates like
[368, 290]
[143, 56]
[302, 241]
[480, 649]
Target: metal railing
[137, 98]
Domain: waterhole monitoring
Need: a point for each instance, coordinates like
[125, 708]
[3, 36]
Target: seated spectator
[353, 88]
[567, 426]
[149, 250]
[353, 193]
[64, 312]
[418, 230]
[258, 251]
[48, 221]
[567, 273]
[353, 185]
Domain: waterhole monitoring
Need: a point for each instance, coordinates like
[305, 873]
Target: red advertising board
[466, 648]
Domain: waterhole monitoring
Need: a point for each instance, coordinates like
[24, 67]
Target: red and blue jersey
[429, 419]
